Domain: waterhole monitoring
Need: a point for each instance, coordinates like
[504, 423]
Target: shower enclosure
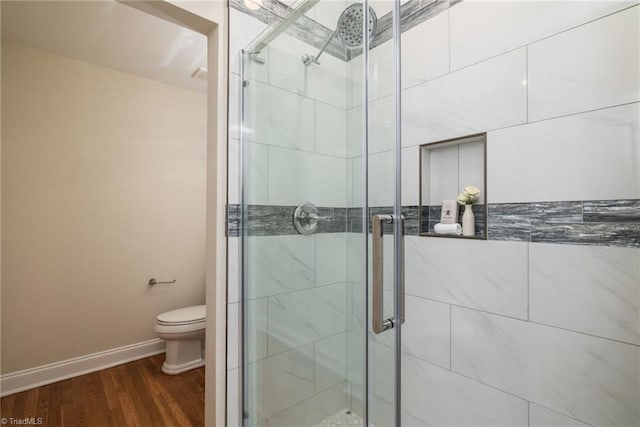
[358, 120]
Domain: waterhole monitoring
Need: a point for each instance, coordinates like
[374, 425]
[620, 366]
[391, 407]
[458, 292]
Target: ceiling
[108, 34]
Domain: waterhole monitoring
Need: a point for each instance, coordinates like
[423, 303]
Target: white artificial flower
[463, 198]
[472, 190]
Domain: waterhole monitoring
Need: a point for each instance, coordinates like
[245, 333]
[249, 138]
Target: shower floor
[342, 418]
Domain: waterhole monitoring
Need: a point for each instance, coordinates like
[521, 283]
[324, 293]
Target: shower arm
[308, 59]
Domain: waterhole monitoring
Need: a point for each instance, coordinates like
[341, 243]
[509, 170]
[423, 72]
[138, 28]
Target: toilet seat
[183, 316]
[181, 321]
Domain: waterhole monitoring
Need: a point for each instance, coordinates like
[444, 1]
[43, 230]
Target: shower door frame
[396, 321]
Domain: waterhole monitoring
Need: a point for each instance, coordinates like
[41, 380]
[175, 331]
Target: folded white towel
[448, 229]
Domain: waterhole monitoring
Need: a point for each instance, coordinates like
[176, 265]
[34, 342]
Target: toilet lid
[184, 315]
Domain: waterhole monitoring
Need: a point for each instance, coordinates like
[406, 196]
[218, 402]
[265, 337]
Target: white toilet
[184, 331]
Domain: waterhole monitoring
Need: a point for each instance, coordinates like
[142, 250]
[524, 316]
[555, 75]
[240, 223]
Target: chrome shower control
[306, 218]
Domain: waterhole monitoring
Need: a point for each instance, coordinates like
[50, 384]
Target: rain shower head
[349, 26]
[348, 30]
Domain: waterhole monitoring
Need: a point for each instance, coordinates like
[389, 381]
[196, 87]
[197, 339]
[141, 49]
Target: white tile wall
[381, 180]
[568, 158]
[471, 167]
[354, 132]
[331, 130]
[488, 95]
[410, 176]
[381, 124]
[425, 50]
[331, 258]
[440, 397]
[330, 361]
[593, 66]
[543, 417]
[426, 333]
[256, 176]
[591, 379]
[298, 318]
[589, 289]
[326, 82]
[585, 289]
[442, 168]
[296, 176]
[487, 275]
[279, 264]
[290, 373]
[279, 117]
[482, 29]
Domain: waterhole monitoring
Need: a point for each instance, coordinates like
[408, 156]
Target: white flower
[463, 198]
[468, 195]
[472, 190]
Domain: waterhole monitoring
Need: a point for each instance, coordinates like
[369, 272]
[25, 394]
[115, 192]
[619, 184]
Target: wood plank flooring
[134, 394]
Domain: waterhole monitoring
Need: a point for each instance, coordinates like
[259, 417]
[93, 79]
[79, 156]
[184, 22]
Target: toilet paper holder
[153, 281]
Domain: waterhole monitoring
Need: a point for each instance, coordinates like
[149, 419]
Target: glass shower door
[319, 176]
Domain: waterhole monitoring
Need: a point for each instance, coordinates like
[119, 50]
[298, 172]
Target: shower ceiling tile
[593, 66]
[548, 366]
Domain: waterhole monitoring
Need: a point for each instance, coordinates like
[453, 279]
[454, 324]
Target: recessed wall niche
[446, 168]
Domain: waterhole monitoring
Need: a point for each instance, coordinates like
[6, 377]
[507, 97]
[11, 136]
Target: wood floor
[133, 394]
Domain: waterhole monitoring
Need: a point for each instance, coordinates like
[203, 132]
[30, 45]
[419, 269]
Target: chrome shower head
[348, 30]
[349, 26]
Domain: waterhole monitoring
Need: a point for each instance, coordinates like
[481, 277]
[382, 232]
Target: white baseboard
[35, 377]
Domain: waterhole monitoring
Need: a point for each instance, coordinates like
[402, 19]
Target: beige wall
[103, 186]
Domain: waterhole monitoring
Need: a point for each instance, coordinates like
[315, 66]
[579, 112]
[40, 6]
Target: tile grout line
[491, 313]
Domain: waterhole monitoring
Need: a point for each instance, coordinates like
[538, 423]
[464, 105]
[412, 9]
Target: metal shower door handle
[379, 324]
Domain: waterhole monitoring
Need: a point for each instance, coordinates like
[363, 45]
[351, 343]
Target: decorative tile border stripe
[268, 220]
[304, 29]
[612, 211]
[309, 31]
[514, 221]
[603, 223]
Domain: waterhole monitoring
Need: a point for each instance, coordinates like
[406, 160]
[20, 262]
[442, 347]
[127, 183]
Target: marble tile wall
[598, 222]
[536, 326]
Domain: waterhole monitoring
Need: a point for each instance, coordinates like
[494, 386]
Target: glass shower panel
[381, 179]
[300, 348]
